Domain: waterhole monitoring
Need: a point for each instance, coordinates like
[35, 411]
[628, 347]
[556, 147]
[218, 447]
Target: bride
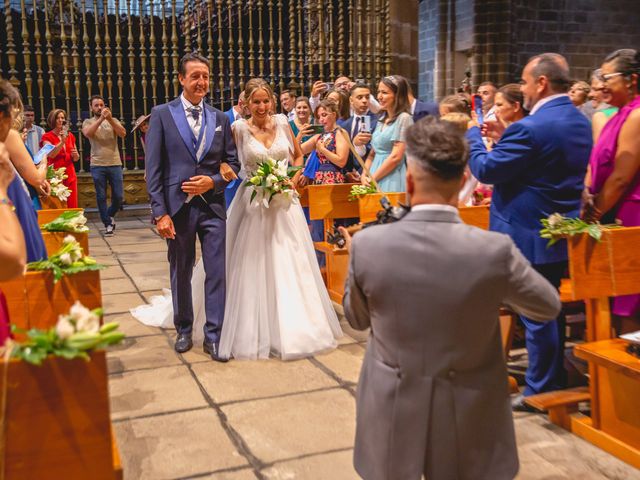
[276, 301]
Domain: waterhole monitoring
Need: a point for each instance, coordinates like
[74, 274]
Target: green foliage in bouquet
[358, 191]
[70, 221]
[69, 260]
[273, 177]
[74, 335]
[557, 227]
[55, 178]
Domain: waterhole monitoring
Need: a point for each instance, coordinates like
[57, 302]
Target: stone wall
[496, 37]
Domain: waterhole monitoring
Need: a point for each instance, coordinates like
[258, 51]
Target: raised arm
[19, 156]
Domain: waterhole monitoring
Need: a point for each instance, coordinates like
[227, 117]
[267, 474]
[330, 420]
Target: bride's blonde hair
[255, 84]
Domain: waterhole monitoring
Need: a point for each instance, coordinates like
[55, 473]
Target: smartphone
[365, 124]
[476, 104]
[317, 128]
[42, 153]
[329, 85]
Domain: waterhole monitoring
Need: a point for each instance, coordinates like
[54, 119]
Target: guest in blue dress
[386, 160]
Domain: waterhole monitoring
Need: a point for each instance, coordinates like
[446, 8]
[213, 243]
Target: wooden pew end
[560, 404]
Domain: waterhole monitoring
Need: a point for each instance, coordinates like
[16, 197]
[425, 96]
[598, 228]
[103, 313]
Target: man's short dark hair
[488, 84]
[438, 148]
[292, 93]
[95, 97]
[555, 67]
[357, 86]
[191, 57]
[28, 108]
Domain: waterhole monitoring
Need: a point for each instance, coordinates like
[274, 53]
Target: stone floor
[184, 416]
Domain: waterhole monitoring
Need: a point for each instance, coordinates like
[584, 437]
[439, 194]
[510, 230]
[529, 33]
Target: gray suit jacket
[433, 391]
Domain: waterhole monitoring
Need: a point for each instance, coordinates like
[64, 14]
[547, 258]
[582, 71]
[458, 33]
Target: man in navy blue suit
[186, 143]
[358, 127]
[537, 168]
[421, 109]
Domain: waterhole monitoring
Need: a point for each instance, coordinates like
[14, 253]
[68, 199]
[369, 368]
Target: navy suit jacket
[537, 168]
[424, 109]
[347, 124]
[170, 157]
[230, 116]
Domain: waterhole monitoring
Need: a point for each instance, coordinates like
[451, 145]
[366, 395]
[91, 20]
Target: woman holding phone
[64, 152]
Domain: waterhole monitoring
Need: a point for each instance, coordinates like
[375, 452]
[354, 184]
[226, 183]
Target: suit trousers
[196, 218]
[545, 342]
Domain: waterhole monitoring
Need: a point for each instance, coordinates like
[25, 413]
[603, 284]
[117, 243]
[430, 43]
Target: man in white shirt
[34, 132]
[288, 103]
[360, 125]
[487, 91]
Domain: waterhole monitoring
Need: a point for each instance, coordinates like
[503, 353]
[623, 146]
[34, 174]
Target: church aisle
[184, 416]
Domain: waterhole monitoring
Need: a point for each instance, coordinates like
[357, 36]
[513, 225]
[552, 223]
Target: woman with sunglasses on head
[615, 163]
[386, 160]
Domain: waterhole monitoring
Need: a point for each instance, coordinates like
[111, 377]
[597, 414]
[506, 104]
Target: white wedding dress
[276, 300]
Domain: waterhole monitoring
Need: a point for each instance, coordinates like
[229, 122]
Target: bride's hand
[227, 172]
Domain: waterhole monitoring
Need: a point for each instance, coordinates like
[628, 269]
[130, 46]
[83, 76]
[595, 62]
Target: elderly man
[433, 397]
[537, 168]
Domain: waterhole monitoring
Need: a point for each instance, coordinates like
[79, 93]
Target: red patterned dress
[328, 173]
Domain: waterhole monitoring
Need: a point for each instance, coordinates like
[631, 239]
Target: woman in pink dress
[615, 163]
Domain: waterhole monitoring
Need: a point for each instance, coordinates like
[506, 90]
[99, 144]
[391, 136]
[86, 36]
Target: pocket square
[219, 128]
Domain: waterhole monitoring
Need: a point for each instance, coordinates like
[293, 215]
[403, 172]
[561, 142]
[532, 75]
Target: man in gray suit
[433, 393]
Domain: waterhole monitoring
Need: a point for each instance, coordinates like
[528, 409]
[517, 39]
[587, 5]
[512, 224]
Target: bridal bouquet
[55, 178]
[66, 261]
[69, 221]
[74, 335]
[272, 180]
[557, 227]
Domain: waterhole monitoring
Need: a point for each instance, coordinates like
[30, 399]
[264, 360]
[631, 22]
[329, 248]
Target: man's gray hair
[437, 148]
[555, 67]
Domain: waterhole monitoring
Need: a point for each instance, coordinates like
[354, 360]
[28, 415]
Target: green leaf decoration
[557, 227]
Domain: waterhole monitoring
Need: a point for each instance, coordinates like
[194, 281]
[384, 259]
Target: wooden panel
[607, 268]
[476, 216]
[46, 216]
[331, 201]
[620, 411]
[582, 426]
[369, 205]
[549, 400]
[610, 354]
[51, 202]
[53, 241]
[58, 420]
[15, 292]
[304, 197]
[46, 300]
[337, 271]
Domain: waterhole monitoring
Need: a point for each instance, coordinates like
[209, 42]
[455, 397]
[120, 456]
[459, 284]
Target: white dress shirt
[193, 123]
[434, 207]
[545, 100]
[361, 149]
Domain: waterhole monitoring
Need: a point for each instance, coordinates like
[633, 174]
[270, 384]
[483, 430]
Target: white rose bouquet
[55, 178]
[358, 191]
[557, 227]
[69, 221]
[272, 180]
[74, 335]
[69, 260]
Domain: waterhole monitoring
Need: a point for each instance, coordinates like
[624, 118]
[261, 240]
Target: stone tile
[114, 271]
[345, 362]
[105, 259]
[132, 327]
[99, 251]
[157, 246]
[132, 237]
[150, 276]
[116, 285]
[244, 474]
[120, 302]
[139, 255]
[243, 380]
[159, 390]
[346, 340]
[142, 352]
[336, 466]
[291, 426]
[175, 446]
[358, 335]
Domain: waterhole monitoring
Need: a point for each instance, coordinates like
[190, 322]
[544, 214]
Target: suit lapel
[180, 119]
[210, 130]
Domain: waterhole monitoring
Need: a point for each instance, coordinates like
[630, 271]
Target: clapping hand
[106, 114]
[227, 172]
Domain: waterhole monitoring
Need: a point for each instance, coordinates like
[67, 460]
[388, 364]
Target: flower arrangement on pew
[557, 227]
[358, 191]
[68, 260]
[75, 334]
[55, 178]
[69, 221]
[273, 179]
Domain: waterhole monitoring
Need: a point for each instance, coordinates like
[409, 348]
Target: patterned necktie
[195, 112]
[356, 129]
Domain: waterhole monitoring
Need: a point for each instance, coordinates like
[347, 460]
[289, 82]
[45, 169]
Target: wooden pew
[53, 241]
[48, 215]
[57, 420]
[598, 271]
[52, 203]
[35, 301]
[328, 203]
